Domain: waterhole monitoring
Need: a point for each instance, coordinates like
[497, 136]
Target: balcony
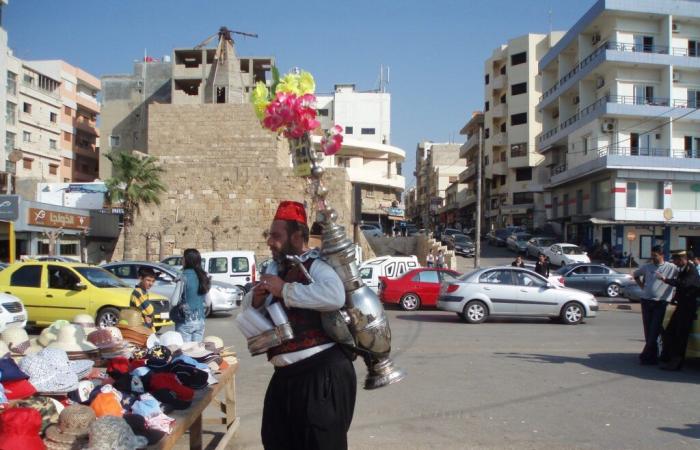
[469, 198]
[88, 101]
[51, 93]
[620, 52]
[471, 143]
[364, 176]
[500, 82]
[85, 124]
[500, 168]
[499, 139]
[468, 174]
[500, 111]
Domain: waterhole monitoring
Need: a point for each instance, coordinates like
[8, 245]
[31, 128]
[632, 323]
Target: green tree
[136, 181]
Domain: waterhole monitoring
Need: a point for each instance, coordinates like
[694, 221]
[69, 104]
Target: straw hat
[130, 317]
[86, 322]
[4, 349]
[50, 334]
[137, 335]
[71, 338]
[16, 339]
[216, 341]
[113, 433]
[72, 428]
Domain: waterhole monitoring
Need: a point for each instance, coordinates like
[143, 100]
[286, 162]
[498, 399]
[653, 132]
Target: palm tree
[135, 182]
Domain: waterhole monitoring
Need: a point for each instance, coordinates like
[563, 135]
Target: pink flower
[332, 141]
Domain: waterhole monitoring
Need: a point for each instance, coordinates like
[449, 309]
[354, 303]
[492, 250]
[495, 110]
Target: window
[486, 106]
[67, 136]
[643, 43]
[518, 58]
[53, 117]
[519, 88]
[27, 163]
[52, 144]
[518, 150]
[62, 278]
[323, 112]
[693, 48]
[497, 277]
[218, 265]
[366, 273]
[486, 79]
[10, 113]
[522, 198]
[348, 130]
[555, 207]
[28, 80]
[26, 136]
[69, 249]
[579, 201]
[601, 191]
[448, 277]
[503, 127]
[114, 141]
[693, 97]
[565, 206]
[526, 279]
[518, 119]
[597, 270]
[486, 160]
[503, 70]
[367, 131]
[11, 83]
[649, 194]
[503, 98]
[523, 174]
[239, 264]
[53, 169]
[67, 111]
[487, 133]
[580, 270]
[27, 107]
[429, 276]
[27, 276]
[124, 271]
[631, 194]
[643, 94]
[9, 141]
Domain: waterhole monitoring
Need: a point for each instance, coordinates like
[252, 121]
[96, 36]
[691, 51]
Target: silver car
[222, 297]
[517, 242]
[537, 244]
[512, 291]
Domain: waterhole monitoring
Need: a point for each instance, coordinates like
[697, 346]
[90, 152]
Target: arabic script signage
[9, 207]
[57, 219]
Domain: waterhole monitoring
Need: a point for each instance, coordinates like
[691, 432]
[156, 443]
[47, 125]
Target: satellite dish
[14, 156]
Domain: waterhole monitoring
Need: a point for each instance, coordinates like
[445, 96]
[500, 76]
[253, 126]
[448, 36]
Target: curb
[635, 307]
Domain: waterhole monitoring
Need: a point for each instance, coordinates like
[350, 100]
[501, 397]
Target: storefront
[9, 213]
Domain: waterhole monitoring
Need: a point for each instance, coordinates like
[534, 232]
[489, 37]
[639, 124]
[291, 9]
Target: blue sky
[435, 49]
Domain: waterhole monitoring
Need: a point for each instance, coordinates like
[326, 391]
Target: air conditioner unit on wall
[608, 126]
[676, 76]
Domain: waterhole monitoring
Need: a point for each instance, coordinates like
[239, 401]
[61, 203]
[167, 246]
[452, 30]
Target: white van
[386, 266]
[235, 267]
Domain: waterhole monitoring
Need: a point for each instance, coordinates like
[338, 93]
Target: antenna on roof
[383, 79]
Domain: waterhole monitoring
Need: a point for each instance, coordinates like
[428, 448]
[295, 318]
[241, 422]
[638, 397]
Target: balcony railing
[655, 152]
[559, 169]
[53, 94]
[638, 100]
[637, 48]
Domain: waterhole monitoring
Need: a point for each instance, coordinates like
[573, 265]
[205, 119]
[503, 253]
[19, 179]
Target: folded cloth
[9, 371]
[138, 426]
[169, 381]
[18, 389]
[160, 422]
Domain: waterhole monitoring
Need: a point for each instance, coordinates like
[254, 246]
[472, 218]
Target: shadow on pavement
[619, 363]
[450, 317]
[691, 430]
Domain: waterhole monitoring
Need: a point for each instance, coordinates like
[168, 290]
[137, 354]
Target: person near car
[441, 259]
[310, 399]
[430, 260]
[675, 336]
[542, 265]
[518, 262]
[197, 285]
[655, 297]
[140, 299]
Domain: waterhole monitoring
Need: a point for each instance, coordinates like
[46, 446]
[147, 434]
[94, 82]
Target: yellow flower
[289, 83]
[259, 98]
[307, 85]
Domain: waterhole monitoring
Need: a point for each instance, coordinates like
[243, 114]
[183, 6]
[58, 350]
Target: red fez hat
[293, 211]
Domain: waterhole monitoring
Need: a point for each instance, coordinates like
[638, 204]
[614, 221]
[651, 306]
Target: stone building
[225, 175]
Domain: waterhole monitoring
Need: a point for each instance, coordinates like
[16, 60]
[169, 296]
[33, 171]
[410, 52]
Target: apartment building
[79, 142]
[473, 130]
[512, 87]
[374, 166]
[621, 128]
[437, 166]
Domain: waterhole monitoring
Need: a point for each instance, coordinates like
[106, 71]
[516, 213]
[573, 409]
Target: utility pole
[477, 234]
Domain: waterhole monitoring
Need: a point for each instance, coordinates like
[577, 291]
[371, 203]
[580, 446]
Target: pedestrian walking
[310, 399]
[194, 292]
[542, 265]
[441, 259]
[140, 298]
[655, 297]
[518, 262]
[430, 260]
[675, 336]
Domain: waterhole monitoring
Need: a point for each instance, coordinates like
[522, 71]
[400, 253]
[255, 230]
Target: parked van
[235, 267]
[386, 266]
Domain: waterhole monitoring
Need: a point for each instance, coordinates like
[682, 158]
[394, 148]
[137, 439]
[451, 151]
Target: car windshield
[572, 250]
[523, 237]
[562, 270]
[462, 239]
[100, 278]
[546, 242]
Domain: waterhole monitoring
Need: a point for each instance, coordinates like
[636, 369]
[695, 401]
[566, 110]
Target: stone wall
[225, 176]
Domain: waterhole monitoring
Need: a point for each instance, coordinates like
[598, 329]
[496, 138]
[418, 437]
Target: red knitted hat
[18, 389]
[294, 211]
[170, 382]
[20, 428]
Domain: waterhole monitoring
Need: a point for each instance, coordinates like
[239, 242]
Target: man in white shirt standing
[310, 400]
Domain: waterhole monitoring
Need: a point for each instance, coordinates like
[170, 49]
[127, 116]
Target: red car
[415, 288]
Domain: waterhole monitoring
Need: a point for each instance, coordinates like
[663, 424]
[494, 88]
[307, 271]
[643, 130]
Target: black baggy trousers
[309, 404]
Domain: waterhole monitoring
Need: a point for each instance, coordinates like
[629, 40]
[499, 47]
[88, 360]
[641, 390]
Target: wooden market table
[191, 418]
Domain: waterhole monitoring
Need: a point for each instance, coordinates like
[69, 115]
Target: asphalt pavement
[503, 384]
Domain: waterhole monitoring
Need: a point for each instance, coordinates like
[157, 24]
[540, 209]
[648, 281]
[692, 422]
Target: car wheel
[475, 312]
[572, 313]
[613, 290]
[107, 317]
[410, 302]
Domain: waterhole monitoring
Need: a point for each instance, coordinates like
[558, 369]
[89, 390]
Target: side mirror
[79, 287]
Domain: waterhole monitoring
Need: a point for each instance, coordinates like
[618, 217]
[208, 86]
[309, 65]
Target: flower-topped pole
[288, 108]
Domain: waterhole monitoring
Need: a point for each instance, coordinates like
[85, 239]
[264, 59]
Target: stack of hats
[86, 322]
[73, 341]
[132, 328]
[51, 372]
[16, 339]
[14, 381]
[72, 429]
[113, 433]
[19, 429]
[110, 342]
[47, 336]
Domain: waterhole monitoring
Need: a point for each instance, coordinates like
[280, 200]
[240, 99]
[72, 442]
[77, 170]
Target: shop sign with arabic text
[57, 219]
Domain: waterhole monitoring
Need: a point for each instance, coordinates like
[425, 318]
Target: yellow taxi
[693, 348]
[56, 290]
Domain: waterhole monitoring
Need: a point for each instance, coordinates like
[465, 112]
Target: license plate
[19, 318]
[165, 315]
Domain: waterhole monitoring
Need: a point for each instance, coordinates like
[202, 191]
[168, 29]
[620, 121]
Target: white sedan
[12, 312]
[565, 254]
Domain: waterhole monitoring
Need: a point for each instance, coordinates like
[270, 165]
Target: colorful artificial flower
[332, 141]
[260, 97]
